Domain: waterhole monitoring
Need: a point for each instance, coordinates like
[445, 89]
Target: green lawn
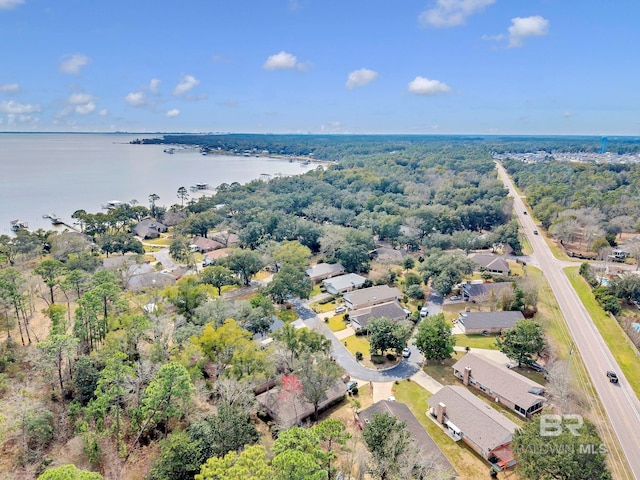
[337, 323]
[467, 463]
[476, 341]
[612, 333]
[442, 371]
[161, 241]
[357, 343]
[322, 308]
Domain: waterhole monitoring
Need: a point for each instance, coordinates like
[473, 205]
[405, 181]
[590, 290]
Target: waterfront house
[501, 384]
[149, 228]
[464, 417]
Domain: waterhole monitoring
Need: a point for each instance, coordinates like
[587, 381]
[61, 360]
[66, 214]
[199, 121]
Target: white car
[424, 312]
[455, 297]
[406, 352]
[341, 309]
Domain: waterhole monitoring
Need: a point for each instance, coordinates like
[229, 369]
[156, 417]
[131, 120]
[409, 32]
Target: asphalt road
[619, 401]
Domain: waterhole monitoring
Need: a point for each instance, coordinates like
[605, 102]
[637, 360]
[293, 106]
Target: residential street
[619, 400]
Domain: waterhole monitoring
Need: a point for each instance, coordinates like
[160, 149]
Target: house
[149, 228]
[492, 263]
[503, 385]
[619, 254]
[226, 238]
[204, 245]
[480, 292]
[463, 416]
[288, 409]
[322, 271]
[371, 296]
[487, 322]
[210, 258]
[392, 310]
[387, 255]
[429, 454]
[343, 283]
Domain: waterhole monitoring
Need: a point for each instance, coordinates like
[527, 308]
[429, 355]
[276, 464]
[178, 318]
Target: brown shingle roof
[478, 421]
[500, 379]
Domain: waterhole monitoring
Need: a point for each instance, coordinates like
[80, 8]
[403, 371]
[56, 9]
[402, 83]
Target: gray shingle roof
[390, 310]
[344, 282]
[500, 379]
[322, 269]
[372, 296]
[490, 320]
[478, 421]
[491, 262]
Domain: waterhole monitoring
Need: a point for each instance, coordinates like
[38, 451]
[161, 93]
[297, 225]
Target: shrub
[354, 391]
[377, 359]
[391, 357]
[359, 356]
[415, 291]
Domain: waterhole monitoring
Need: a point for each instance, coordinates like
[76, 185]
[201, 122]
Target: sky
[537, 67]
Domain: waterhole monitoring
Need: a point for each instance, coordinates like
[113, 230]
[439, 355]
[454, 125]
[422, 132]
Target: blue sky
[321, 66]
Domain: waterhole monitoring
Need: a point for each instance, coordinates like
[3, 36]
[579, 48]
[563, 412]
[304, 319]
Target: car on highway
[535, 232]
[406, 352]
[525, 212]
[613, 376]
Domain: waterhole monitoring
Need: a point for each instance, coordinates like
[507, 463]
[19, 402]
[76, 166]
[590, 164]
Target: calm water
[61, 173]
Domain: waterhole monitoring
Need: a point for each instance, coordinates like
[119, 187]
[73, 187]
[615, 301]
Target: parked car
[455, 297]
[352, 387]
[424, 312]
[613, 376]
[406, 352]
[341, 309]
[537, 367]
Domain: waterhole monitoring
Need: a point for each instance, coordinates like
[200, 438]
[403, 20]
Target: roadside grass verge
[476, 341]
[467, 463]
[611, 331]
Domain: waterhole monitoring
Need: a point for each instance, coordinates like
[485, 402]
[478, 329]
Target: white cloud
[428, 87]
[135, 99]
[72, 64]
[281, 61]
[154, 84]
[10, 88]
[9, 4]
[187, 83]
[359, 78]
[522, 28]
[78, 98]
[104, 112]
[15, 108]
[451, 13]
[85, 109]
[173, 113]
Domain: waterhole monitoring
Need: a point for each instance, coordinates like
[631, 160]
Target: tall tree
[69, 472]
[522, 342]
[51, 272]
[565, 451]
[183, 194]
[244, 263]
[56, 351]
[317, 373]
[388, 441]
[153, 198]
[434, 338]
[251, 464]
[385, 334]
[217, 276]
[289, 281]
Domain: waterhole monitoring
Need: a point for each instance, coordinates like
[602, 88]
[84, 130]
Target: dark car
[535, 232]
[613, 376]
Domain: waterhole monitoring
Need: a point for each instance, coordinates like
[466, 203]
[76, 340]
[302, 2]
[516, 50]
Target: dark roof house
[149, 228]
[392, 310]
[463, 416]
[489, 322]
[429, 454]
[204, 245]
[500, 383]
[480, 292]
[492, 263]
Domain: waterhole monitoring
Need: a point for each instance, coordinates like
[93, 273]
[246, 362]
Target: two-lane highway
[619, 400]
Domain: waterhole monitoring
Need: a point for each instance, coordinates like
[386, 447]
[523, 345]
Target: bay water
[61, 173]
